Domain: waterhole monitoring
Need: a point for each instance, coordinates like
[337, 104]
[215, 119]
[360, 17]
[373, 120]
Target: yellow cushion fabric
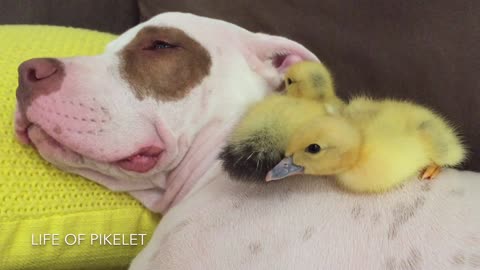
[35, 197]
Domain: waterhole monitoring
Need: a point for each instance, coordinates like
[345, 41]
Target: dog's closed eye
[160, 45]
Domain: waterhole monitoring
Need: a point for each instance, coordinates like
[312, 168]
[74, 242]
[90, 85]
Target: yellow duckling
[259, 141]
[372, 146]
[311, 80]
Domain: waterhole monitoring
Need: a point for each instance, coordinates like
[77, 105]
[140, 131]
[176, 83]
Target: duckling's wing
[442, 141]
[251, 157]
[259, 141]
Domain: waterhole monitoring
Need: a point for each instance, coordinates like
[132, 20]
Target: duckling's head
[309, 80]
[327, 146]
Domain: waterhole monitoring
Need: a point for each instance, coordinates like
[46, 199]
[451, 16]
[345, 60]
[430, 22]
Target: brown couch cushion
[105, 15]
[423, 51]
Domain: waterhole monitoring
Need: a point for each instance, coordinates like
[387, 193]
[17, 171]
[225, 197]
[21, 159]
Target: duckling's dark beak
[283, 169]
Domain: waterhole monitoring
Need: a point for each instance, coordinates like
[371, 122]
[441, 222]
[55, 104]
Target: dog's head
[130, 117]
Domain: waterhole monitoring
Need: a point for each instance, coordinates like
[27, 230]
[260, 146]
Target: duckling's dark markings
[252, 158]
[436, 136]
[318, 82]
[425, 125]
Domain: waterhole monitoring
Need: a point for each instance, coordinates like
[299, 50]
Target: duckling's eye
[313, 148]
[289, 81]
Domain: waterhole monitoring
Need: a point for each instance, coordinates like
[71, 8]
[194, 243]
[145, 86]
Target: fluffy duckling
[372, 146]
[259, 141]
[311, 80]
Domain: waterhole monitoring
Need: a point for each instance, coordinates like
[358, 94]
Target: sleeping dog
[149, 117]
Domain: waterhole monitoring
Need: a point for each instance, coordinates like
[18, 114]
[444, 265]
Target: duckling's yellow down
[310, 80]
[388, 143]
[260, 139]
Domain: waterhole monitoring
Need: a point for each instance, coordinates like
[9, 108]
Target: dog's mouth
[141, 161]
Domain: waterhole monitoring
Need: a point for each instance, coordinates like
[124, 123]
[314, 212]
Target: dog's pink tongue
[142, 162]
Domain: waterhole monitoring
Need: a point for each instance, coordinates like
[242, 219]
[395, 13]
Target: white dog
[150, 115]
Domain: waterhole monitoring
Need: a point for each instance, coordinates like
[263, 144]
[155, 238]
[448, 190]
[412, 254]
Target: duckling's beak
[283, 169]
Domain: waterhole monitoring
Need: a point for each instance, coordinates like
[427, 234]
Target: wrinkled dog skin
[149, 117]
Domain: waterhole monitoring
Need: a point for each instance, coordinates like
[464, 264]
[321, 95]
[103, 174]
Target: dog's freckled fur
[474, 261]
[376, 218]
[308, 233]
[426, 187]
[57, 129]
[457, 192]
[458, 258]
[411, 262]
[255, 247]
[356, 212]
[402, 214]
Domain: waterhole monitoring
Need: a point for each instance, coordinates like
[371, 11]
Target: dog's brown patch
[165, 74]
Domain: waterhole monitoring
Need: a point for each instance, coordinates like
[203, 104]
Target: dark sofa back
[113, 16]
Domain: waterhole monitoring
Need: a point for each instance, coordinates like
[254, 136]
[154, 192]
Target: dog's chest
[310, 224]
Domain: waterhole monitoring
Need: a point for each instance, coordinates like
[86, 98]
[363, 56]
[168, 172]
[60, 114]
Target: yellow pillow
[36, 198]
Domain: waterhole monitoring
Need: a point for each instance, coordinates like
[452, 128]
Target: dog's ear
[270, 56]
